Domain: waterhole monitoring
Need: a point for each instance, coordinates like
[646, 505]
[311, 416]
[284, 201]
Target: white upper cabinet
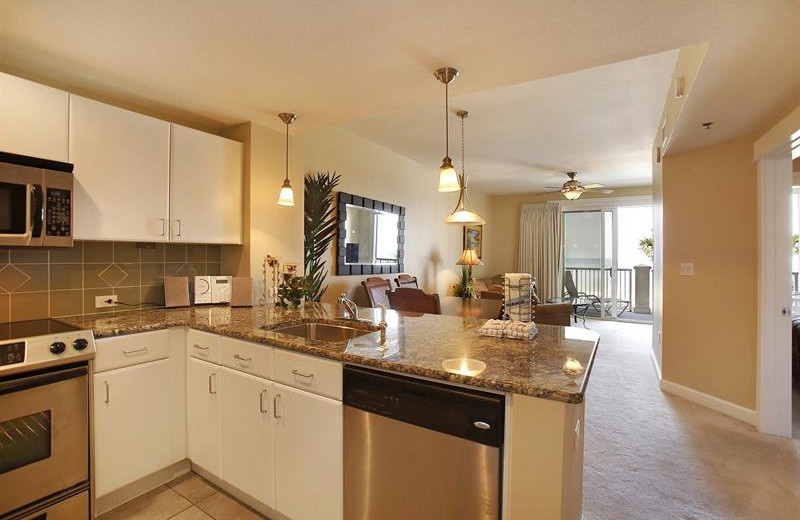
[205, 188]
[121, 173]
[34, 119]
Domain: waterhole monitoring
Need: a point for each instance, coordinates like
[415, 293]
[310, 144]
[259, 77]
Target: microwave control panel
[58, 213]
[11, 353]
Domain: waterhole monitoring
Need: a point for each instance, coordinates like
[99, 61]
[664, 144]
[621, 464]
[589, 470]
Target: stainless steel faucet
[352, 308]
[382, 324]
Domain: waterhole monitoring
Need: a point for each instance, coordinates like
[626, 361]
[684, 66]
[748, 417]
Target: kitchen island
[543, 448]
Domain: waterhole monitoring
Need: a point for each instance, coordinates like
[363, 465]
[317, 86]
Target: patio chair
[572, 291]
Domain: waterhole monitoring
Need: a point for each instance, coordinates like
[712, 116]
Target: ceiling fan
[573, 189]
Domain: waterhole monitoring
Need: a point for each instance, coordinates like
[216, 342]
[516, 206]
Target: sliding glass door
[590, 261]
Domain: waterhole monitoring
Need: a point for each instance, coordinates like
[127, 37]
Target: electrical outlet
[102, 301]
[687, 269]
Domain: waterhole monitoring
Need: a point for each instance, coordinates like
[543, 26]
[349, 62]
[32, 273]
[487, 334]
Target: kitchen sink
[322, 331]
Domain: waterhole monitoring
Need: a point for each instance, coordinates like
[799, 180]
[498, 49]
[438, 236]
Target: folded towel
[509, 329]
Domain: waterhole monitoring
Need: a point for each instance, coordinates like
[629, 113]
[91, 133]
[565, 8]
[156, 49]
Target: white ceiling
[333, 62]
[599, 122]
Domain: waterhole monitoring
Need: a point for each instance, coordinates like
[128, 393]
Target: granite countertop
[415, 344]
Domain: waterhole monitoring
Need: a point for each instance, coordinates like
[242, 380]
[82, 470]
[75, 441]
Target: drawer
[123, 351]
[314, 374]
[204, 345]
[253, 358]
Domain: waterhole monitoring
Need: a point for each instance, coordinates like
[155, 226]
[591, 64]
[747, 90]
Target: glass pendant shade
[448, 178]
[286, 197]
[463, 214]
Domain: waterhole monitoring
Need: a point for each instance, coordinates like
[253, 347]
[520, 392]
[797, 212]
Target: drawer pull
[264, 409]
[243, 359]
[302, 374]
[108, 395]
[482, 425]
[212, 388]
[200, 347]
[275, 406]
[135, 351]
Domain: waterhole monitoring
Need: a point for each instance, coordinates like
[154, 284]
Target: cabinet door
[204, 386]
[121, 173]
[131, 424]
[205, 188]
[247, 435]
[308, 455]
[34, 119]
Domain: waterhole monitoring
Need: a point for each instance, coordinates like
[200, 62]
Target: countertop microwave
[36, 201]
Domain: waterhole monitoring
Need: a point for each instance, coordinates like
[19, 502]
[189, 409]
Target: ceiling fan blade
[553, 187]
[593, 186]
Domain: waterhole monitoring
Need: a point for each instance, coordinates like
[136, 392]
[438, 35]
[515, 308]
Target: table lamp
[469, 258]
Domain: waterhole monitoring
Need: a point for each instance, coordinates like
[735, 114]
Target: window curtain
[540, 241]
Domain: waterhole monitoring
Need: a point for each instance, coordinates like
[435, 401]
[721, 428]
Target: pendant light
[286, 197]
[463, 213]
[448, 178]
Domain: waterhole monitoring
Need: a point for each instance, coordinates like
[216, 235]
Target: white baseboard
[140, 487]
[709, 401]
[655, 364]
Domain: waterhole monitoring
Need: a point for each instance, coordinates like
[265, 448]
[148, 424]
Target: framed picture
[473, 239]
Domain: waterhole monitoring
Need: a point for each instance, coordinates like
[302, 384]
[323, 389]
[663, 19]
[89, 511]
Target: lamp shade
[286, 197]
[448, 178]
[572, 193]
[469, 257]
[464, 216]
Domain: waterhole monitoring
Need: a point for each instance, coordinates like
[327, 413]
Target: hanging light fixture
[463, 213]
[286, 197]
[572, 189]
[448, 178]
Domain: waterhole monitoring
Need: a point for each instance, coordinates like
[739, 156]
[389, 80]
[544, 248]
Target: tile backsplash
[40, 283]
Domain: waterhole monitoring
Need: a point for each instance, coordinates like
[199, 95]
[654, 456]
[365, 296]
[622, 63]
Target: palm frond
[319, 229]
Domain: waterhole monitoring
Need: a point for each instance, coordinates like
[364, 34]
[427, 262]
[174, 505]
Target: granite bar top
[434, 346]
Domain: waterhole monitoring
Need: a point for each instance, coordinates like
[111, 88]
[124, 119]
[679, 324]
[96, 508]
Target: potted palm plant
[319, 230]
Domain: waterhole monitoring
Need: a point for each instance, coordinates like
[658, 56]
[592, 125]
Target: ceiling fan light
[572, 193]
[286, 197]
[448, 178]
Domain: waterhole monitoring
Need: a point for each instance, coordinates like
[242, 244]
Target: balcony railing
[588, 280]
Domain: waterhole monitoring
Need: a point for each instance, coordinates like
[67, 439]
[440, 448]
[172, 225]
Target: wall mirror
[371, 236]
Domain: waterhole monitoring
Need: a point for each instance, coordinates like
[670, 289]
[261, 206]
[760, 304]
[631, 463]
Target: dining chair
[414, 300]
[405, 280]
[376, 288]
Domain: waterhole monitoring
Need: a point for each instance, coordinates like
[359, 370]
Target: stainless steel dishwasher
[420, 450]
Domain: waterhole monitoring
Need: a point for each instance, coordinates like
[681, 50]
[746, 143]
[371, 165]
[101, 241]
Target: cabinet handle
[243, 359]
[108, 395]
[212, 376]
[200, 347]
[481, 425]
[135, 351]
[163, 226]
[275, 406]
[302, 374]
[180, 227]
[263, 408]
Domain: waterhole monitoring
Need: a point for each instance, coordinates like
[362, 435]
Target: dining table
[483, 308]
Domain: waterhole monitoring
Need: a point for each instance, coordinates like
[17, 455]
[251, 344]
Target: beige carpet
[653, 456]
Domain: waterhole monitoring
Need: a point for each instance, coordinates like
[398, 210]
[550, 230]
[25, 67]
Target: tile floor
[189, 497]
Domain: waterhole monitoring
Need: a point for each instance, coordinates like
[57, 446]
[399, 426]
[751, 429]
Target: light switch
[687, 269]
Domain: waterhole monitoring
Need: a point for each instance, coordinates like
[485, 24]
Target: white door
[206, 188]
[248, 459]
[131, 424]
[34, 119]
[203, 389]
[308, 455]
[121, 173]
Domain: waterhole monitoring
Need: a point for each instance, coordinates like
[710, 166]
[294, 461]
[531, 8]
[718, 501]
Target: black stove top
[27, 329]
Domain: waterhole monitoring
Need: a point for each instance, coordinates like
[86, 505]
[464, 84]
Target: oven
[44, 437]
[35, 201]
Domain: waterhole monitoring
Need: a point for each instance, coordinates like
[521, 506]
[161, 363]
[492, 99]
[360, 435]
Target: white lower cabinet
[248, 458]
[203, 405]
[308, 455]
[132, 422]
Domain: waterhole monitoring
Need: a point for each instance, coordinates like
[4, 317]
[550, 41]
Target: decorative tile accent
[113, 275]
[12, 278]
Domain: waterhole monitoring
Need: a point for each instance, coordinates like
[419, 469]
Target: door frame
[773, 153]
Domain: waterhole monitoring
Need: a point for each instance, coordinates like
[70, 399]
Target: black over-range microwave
[35, 201]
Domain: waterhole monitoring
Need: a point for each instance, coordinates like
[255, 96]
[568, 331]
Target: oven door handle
[25, 383]
[37, 211]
